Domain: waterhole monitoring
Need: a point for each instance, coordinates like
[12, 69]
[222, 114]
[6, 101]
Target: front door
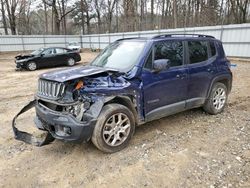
[165, 92]
[48, 58]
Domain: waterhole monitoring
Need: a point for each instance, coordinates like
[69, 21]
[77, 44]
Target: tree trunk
[82, 17]
[46, 17]
[12, 18]
[56, 18]
[152, 14]
[175, 13]
[4, 18]
[64, 18]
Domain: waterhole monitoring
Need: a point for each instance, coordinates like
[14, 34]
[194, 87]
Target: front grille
[50, 89]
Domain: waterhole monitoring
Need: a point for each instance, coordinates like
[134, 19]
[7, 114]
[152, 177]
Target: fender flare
[227, 77]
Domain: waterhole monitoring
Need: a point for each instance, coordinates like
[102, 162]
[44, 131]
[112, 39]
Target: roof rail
[173, 35]
[129, 38]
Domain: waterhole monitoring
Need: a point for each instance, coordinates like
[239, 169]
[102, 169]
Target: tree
[11, 6]
[4, 17]
[55, 12]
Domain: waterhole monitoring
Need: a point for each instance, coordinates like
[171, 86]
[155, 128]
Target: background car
[74, 46]
[47, 57]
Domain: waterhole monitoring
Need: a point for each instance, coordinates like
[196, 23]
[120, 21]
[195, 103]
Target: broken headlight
[77, 110]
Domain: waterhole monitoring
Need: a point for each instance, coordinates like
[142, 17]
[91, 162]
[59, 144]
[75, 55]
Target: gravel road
[189, 149]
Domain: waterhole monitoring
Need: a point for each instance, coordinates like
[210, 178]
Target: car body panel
[149, 95]
[47, 60]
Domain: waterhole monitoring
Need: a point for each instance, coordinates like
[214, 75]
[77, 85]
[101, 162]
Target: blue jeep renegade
[131, 82]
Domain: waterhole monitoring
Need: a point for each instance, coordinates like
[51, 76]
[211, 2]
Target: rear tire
[217, 99]
[71, 62]
[31, 66]
[114, 128]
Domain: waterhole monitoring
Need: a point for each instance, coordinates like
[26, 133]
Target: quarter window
[197, 51]
[60, 50]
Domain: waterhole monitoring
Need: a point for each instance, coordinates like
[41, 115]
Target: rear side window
[60, 50]
[213, 49]
[172, 50]
[197, 51]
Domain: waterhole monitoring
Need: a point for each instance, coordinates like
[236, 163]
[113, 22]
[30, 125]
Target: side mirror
[41, 54]
[161, 64]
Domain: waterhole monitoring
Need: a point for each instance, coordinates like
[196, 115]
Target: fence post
[99, 42]
[90, 46]
[23, 43]
[81, 41]
[65, 41]
[221, 32]
[44, 42]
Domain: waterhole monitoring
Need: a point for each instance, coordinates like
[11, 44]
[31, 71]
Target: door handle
[210, 70]
[180, 76]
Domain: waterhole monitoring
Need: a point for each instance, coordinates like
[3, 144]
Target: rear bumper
[64, 126]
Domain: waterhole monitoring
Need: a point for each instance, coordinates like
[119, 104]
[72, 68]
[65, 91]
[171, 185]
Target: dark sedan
[47, 57]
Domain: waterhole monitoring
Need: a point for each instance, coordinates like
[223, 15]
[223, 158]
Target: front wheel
[31, 66]
[114, 128]
[217, 99]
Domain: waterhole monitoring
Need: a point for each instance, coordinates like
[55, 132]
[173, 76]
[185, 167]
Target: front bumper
[20, 65]
[64, 126]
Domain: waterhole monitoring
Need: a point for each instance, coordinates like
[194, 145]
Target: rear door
[202, 68]
[165, 92]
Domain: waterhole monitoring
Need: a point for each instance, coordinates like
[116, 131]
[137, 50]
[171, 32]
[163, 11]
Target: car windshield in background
[37, 51]
[121, 55]
[73, 44]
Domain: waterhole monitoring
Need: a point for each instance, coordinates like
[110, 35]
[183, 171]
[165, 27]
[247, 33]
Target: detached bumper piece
[64, 126]
[43, 139]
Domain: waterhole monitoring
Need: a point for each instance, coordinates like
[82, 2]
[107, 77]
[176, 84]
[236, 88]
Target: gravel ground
[189, 149]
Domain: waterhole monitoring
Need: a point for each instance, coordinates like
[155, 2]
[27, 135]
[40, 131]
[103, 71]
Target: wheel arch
[128, 102]
[226, 79]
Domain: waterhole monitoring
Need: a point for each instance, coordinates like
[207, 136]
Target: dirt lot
[190, 149]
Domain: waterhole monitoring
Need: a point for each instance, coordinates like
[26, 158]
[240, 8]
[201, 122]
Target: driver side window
[171, 50]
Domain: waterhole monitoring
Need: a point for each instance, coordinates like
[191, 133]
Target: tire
[71, 62]
[31, 66]
[109, 135]
[216, 102]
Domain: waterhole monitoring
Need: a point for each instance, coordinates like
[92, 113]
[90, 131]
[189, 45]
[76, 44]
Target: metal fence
[235, 38]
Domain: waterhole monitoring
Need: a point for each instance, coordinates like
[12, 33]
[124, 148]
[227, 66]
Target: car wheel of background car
[31, 66]
[217, 99]
[114, 128]
[71, 62]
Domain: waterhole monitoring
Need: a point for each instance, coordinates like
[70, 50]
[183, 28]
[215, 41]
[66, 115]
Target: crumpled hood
[73, 73]
[26, 56]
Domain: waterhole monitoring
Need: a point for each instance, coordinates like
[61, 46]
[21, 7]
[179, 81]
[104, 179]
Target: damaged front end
[67, 107]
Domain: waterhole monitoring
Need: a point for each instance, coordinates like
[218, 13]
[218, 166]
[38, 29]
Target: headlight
[76, 110]
[21, 60]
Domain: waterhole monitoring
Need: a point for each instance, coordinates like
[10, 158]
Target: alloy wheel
[219, 98]
[116, 129]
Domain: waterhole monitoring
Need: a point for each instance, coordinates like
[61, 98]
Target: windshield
[36, 52]
[121, 55]
[73, 44]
